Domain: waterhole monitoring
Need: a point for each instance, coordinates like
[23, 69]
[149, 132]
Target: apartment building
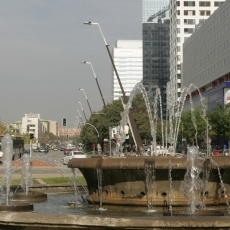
[185, 18]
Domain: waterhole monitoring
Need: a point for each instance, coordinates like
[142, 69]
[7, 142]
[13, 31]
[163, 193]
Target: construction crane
[160, 14]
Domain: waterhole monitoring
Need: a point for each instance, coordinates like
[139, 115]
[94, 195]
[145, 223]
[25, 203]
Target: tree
[220, 121]
[187, 129]
[108, 116]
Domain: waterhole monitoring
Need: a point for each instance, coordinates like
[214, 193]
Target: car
[55, 149]
[26, 151]
[73, 154]
[42, 150]
[37, 150]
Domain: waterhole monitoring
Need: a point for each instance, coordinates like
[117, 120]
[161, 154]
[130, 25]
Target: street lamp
[78, 122]
[85, 62]
[82, 109]
[133, 126]
[111, 59]
[86, 99]
[80, 115]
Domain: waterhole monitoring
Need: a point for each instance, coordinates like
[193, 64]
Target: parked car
[73, 154]
[42, 150]
[26, 151]
[37, 150]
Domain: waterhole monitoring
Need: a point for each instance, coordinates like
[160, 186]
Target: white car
[73, 154]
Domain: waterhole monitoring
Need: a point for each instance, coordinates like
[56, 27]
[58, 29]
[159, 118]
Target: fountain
[9, 205]
[25, 183]
[167, 191]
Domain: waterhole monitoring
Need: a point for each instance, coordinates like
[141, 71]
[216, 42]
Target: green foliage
[188, 130]
[220, 122]
[109, 116]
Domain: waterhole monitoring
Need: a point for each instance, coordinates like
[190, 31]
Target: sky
[42, 44]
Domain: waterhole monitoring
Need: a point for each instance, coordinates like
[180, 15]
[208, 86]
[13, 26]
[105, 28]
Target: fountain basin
[123, 180]
[30, 197]
[17, 207]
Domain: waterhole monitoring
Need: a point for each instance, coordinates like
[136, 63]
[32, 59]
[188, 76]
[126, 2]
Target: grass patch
[62, 180]
[55, 180]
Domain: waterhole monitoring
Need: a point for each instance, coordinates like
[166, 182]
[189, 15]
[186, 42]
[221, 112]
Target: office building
[206, 60]
[127, 56]
[155, 27]
[185, 17]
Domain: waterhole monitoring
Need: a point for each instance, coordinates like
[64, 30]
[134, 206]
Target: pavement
[39, 170]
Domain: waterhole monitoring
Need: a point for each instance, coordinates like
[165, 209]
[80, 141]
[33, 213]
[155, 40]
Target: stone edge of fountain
[13, 220]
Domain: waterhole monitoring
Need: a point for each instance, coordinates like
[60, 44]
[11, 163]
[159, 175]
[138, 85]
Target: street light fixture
[133, 126]
[86, 99]
[82, 109]
[85, 62]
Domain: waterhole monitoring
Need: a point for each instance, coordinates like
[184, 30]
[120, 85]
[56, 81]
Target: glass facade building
[156, 30]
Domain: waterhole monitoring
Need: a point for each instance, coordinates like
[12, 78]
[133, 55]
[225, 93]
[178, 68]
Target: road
[44, 171]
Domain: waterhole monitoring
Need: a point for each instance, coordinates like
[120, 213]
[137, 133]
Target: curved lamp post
[86, 99]
[82, 109]
[134, 130]
[85, 62]
[80, 115]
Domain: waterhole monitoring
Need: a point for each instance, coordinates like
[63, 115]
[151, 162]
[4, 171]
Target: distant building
[46, 125]
[155, 29]
[53, 127]
[207, 60]
[17, 126]
[71, 132]
[31, 124]
[127, 55]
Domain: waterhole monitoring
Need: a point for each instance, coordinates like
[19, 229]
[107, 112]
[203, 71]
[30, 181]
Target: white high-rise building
[185, 17]
[127, 55]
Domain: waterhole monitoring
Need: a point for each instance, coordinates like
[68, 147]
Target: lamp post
[82, 109]
[78, 122]
[86, 99]
[80, 115]
[85, 62]
[133, 126]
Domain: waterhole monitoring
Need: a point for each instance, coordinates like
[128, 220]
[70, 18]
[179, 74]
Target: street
[44, 171]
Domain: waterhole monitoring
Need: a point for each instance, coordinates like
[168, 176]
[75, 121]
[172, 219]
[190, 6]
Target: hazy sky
[42, 43]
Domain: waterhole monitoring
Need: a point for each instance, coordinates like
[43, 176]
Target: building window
[178, 76]
[178, 58]
[189, 3]
[178, 67]
[206, 3]
[178, 30]
[190, 21]
[217, 4]
[188, 30]
[178, 3]
[178, 21]
[178, 12]
[189, 12]
[178, 49]
[205, 12]
[178, 39]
